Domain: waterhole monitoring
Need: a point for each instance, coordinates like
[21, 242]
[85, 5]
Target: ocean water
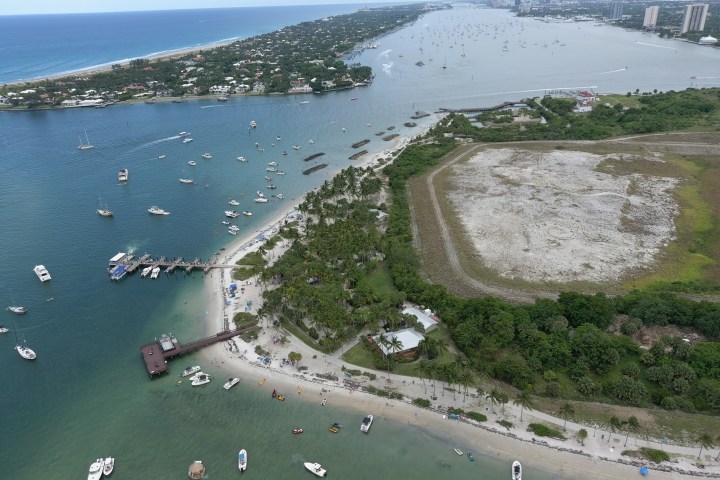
[87, 394]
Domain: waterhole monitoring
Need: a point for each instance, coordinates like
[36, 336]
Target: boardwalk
[133, 263]
[156, 354]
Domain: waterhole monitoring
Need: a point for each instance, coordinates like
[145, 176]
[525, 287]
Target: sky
[16, 7]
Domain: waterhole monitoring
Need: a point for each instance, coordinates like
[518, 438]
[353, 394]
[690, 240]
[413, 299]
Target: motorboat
[123, 175]
[183, 134]
[162, 157]
[187, 140]
[232, 232]
[253, 123]
[280, 196]
[304, 102]
[283, 152]
[234, 228]
[232, 213]
[268, 178]
[233, 202]
[271, 187]
[260, 194]
[297, 431]
[190, 371]
[296, 147]
[192, 163]
[231, 382]
[311, 141]
[225, 222]
[42, 273]
[186, 181]
[271, 169]
[242, 460]
[155, 272]
[206, 156]
[222, 98]
[196, 470]
[155, 210]
[242, 159]
[17, 309]
[247, 213]
[26, 352]
[278, 138]
[279, 172]
[4, 329]
[199, 378]
[96, 469]
[366, 424]
[146, 271]
[272, 164]
[315, 468]
[108, 466]
[516, 471]
[261, 200]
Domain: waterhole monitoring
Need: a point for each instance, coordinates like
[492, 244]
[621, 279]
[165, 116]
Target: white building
[409, 338]
[428, 323]
[651, 14]
[709, 40]
[694, 18]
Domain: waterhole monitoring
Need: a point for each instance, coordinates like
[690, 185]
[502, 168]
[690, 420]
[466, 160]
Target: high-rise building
[651, 14]
[616, 10]
[694, 18]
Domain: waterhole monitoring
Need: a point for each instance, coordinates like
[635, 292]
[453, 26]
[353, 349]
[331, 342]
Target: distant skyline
[17, 7]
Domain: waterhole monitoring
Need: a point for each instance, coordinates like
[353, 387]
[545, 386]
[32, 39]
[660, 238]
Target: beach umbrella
[644, 470]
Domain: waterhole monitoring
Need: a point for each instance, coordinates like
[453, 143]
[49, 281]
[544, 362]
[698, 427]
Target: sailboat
[25, 352]
[20, 310]
[85, 146]
[103, 210]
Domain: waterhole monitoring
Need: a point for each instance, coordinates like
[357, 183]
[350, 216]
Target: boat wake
[215, 106]
[155, 142]
[654, 45]
[387, 67]
[610, 71]
[385, 54]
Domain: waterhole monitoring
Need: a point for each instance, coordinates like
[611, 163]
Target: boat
[206, 156]
[419, 63]
[108, 466]
[232, 201]
[196, 470]
[186, 181]
[118, 271]
[267, 178]
[187, 140]
[280, 196]
[155, 210]
[222, 98]
[283, 152]
[353, 98]
[190, 371]
[232, 213]
[242, 460]
[297, 431]
[336, 425]
[86, 145]
[261, 200]
[304, 102]
[311, 141]
[271, 169]
[471, 457]
[123, 175]
[315, 468]
[42, 273]
[199, 378]
[103, 210]
[231, 382]
[146, 271]
[279, 172]
[155, 272]
[17, 309]
[96, 469]
[242, 159]
[324, 402]
[247, 213]
[334, 429]
[272, 164]
[253, 123]
[192, 163]
[366, 424]
[516, 471]
[271, 187]
[458, 451]
[183, 134]
[260, 194]
[234, 228]
[296, 147]
[161, 157]
[4, 329]
[26, 352]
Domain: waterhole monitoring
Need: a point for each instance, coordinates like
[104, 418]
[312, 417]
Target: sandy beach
[597, 456]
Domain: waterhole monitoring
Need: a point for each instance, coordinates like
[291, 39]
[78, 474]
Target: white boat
[280, 196]
[186, 181]
[146, 271]
[366, 424]
[283, 152]
[190, 371]
[458, 451]
[108, 466]
[85, 146]
[123, 175]
[271, 187]
[271, 169]
[234, 228]
[155, 272]
[42, 273]
[315, 468]
[311, 141]
[4, 329]
[304, 102]
[247, 213]
[278, 138]
[199, 378]
[253, 123]
[260, 194]
[96, 469]
[232, 232]
[233, 202]
[231, 383]
[187, 140]
[272, 164]
[196, 470]
[17, 309]
[161, 157]
[516, 471]
[261, 200]
[206, 156]
[279, 172]
[183, 134]
[232, 213]
[296, 147]
[242, 159]
[222, 98]
[26, 352]
[103, 210]
[155, 210]
[242, 460]
[192, 163]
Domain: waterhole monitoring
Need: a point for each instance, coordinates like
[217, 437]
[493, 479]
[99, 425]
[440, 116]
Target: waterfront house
[409, 338]
[423, 317]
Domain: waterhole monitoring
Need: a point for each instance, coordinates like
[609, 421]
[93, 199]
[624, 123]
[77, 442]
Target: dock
[124, 263]
[480, 109]
[157, 354]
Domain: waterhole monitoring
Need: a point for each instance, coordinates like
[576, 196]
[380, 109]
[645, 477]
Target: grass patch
[544, 431]
[244, 273]
[252, 259]
[478, 417]
[306, 339]
[379, 279]
[244, 319]
[422, 402]
[251, 334]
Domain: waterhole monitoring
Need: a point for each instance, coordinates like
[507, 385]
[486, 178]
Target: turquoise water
[87, 394]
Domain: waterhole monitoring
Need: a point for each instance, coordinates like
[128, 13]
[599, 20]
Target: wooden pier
[133, 263]
[156, 354]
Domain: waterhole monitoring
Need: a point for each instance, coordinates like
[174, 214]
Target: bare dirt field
[524, 221]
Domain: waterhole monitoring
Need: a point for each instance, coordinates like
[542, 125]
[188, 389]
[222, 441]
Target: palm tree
[503, 399]
[467, 376]
[615, 424]
[524, 400]
[565, 412]
[631, 425]
[431, 371]
[706, 441]
[393, 345]
[718, 456]
[493, 396]
[423, 370]
[451, 375]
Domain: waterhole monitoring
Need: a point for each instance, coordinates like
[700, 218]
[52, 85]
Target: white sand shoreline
[238, 358]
